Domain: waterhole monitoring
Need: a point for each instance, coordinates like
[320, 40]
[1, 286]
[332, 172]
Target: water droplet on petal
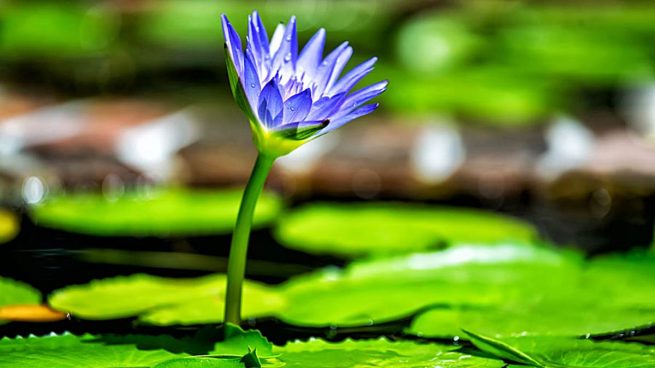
[287, 57]
[252, 85]
[292, 108]
[325, 63]
[288, 39]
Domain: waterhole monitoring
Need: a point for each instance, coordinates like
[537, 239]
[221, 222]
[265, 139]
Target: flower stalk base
[236, 266]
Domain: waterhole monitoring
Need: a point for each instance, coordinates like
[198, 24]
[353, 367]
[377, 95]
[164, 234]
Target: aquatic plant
[290, 98]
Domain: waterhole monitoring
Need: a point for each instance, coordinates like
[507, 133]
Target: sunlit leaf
[17, 293]
[379, 353]
[608, 295]
[352, 230]
[567, 352]
[72, 351]
[554, 318]
[160, 213]
[161, 301]
[387, 289]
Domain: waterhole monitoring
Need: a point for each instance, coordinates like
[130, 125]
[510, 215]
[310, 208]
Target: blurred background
[541, 110]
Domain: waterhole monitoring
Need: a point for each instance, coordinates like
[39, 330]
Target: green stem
[236, 265]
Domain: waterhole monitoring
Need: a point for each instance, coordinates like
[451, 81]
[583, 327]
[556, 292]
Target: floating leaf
[161, 301]
[568, 318]
[9, 226]
[352, 230]
[609, 294]
[388, 289]
[567, 352]
[378, 353]
[201, 362]
[160, 213]
[17, 293]
[80, 351]
[239, 342]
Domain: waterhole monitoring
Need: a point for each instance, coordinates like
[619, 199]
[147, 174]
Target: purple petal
[297, 107]
[353, 77]
[324, 72]
[260, 30]
[233, 43]
[311, 54]
[326, 106]
[257, 42]
[251, 80]
[339, 122]
[276, 40]
[362, 96]
[285, 57]
[270, 105]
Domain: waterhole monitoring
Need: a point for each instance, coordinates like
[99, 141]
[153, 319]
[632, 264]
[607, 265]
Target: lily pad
[567, 352]
[381, 290]
[162, 301]
[552, 318]
[15, 292]
[352, 230]
[68, 350]
[607, 295]
[9, 226]
[162, 212]
[379, 353]
[128, 351]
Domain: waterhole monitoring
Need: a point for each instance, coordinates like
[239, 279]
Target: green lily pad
[378, 353]
[567, 352]
[388, 289]
[202, 362]
[62, 351]
[624, 281]
[542, 319]
[162, 301]
[130, 351]
[609, 294]
[352, 230]
[17, 293]
[163, 212]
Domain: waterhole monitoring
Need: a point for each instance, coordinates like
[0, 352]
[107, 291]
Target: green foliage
[135, 351]
[352, 230]
[388, 289]
[55, 30]
[15, 292]
[379, 353]
[541, 318]
[163, 212]
[162, 301]
[240, 343]
[567, 352]
[63, 351]
[239, 350]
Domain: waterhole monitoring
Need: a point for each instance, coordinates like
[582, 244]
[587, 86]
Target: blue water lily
[292, 97]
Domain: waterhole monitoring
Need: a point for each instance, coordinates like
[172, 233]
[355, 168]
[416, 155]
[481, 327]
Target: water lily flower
[290, 98]
[293, 97]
